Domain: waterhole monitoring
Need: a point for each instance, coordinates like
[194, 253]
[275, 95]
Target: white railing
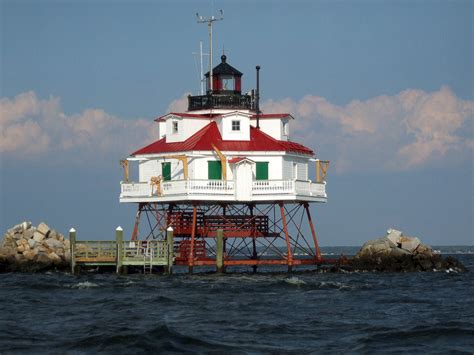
[177, 187]
[310, 188]
[318, 189]
[135, 189]
[269, 187]
[221, 187]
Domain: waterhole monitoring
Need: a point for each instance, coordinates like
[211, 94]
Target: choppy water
[301, 312]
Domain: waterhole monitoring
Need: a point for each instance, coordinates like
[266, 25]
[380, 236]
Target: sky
[382, 89]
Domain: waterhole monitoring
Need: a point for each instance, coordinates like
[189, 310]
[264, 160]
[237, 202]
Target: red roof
[209, 135]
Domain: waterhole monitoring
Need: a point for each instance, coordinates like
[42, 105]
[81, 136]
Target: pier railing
[95, 251]
[133, 252]
[119, 253]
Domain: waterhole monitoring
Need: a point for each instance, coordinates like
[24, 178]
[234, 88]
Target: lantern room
[225, 79]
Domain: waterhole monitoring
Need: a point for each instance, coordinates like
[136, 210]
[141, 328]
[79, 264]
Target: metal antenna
[209, 21]
[201, 78]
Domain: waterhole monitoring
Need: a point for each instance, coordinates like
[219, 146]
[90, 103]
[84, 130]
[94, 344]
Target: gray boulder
[26, 248]
[399, 253]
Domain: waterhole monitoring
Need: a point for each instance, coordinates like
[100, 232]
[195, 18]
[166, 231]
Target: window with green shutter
[261, 172]
[166, 171]
[214, 170]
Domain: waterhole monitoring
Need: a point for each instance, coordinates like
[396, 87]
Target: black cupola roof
[224, 69]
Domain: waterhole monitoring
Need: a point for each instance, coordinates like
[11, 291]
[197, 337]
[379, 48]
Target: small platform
[146, 254]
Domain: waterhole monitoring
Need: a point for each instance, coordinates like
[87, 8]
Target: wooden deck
[119, 254]
[149, 254]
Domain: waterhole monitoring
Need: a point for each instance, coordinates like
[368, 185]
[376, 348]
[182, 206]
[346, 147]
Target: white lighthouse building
[219, 150]
[224, 164]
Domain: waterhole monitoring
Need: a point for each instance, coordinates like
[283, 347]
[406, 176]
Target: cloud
[408, 130]
[179, 105]
[32, 127]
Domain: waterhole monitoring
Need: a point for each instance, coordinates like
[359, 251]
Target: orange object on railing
[322, 167]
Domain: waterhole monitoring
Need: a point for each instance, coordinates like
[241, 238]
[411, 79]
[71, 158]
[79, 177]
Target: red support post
[313, 232]
[137, 221]
[287, 237]
[193, 234]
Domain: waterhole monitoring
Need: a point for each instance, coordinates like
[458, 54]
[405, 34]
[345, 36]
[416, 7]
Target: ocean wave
[437, 338]
[85, 285]
[295, 281]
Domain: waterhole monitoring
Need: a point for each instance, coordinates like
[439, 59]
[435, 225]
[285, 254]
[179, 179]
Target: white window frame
[174, 126]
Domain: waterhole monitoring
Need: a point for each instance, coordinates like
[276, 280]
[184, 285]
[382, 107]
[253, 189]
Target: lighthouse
[224, 167]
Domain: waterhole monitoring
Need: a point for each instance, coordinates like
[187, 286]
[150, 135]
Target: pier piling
[72, 249]
[220, 251]
[170, 242]
[119, 240]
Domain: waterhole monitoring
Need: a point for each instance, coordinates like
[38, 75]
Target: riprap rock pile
[397, 252]
[28, 248]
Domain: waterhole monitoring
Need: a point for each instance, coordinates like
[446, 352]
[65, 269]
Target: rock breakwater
[28, 248]
[397, 252]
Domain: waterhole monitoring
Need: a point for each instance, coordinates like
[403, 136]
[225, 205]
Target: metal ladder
[148, 259]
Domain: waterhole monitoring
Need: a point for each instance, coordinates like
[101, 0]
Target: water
[264, 312]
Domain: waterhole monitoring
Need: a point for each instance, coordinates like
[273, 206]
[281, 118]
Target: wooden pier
[148, 255]
[121, 254]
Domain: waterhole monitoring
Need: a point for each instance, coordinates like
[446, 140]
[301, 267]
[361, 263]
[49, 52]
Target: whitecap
[85, 285]
[295, 281]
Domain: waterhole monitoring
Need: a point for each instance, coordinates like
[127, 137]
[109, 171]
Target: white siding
[225, 127]
[274, 127]
[295, 168]
[148, 169]
[279, 167]
[161, 129]
[287, 168]
[302, 170]
[285, 129]
[270, 126]
[186, 128]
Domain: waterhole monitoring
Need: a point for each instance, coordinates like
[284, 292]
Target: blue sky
[384, 89]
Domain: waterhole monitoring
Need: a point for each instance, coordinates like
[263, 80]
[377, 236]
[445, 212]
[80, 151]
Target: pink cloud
[413, 128]
[408, 130]
[31, 126]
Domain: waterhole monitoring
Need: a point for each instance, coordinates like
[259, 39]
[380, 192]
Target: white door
[243, 181]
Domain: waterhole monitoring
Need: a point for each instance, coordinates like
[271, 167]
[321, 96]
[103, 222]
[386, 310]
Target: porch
[222, 190]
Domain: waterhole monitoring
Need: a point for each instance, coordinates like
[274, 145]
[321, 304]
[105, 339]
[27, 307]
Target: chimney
[257, 97]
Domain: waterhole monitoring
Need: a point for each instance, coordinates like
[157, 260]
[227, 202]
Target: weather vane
[209, 21]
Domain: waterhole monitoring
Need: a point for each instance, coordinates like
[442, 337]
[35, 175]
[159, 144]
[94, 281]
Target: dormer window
[235, 125]
[175, 126]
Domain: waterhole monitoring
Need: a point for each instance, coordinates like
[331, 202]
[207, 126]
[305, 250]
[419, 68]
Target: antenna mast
[201, 78]
[209, 21]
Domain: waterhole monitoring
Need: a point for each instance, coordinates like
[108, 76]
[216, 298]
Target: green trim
[261, 172]
[166, 171]
[214, 170]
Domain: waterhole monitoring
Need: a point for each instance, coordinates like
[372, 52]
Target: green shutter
[214, 170]
[262, 170]
[166, 171]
